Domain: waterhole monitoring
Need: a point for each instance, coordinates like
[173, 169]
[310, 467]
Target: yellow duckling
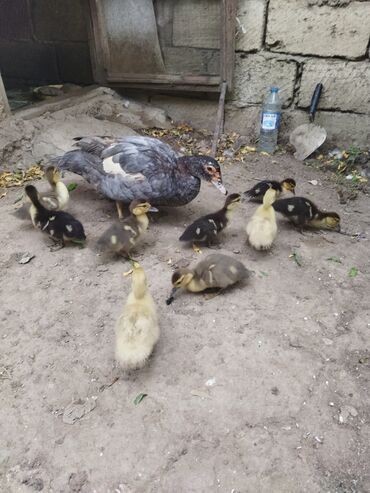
[55, 199]
[137, 329]
[262, 228]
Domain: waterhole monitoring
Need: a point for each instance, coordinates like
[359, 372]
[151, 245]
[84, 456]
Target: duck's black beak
[153, 209]
[171, 298]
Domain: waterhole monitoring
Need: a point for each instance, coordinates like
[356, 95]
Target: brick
[255, 74]
[191, 60]
[250, 24]
[28, 61]
[197, 24]
[60, 20]
[15, 22]
[74, 63]
[346, 85]
[317, 28]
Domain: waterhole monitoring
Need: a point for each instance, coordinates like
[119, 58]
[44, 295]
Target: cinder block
[255, 74]
[74, 63]
[60, 20]
[15, 21]
[310, 27]
[250, 24]
[346, 85]
[197, 24]
[28, 61]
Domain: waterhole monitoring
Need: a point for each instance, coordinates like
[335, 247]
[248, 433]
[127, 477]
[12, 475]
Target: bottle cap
[274, 89]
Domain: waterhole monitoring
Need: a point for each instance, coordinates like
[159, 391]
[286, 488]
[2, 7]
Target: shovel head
[306, 139]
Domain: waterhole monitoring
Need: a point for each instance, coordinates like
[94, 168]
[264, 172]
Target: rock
[76, 481]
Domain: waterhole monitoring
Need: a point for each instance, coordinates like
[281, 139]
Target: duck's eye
[210, 169]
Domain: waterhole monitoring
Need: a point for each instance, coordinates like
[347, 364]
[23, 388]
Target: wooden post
[219, 119]
[4, 105]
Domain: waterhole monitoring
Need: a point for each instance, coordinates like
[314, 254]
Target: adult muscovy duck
[139, 167]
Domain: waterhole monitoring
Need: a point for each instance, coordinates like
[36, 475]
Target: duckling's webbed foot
[56, 245]
[210, 296]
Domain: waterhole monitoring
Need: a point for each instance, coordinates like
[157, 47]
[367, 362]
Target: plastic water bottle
[270, 121]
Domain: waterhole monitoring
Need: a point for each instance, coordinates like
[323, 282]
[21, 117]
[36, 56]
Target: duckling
[55, 199]
[137, 329]
[122, 236]
[60, 225]
[206, 228]
[215, 271]
[257, 192]
[303, 212]
[262, 228]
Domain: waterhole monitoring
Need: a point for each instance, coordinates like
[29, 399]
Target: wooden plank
[219, 119]
[101, 51]
[166, 79]
[229, 9]
[178, 88]
[4, 104]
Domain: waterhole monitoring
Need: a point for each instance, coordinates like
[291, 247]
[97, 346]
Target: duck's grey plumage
[133, 167]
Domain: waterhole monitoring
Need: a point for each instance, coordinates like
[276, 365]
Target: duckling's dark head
[232, 200]
[289, 184]
[32, 193]
[332, 220]
[140, 207]
[205, 168]
[180, 279]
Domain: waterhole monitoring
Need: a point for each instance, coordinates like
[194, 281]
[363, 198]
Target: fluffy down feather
[137, 329]
[262, 228]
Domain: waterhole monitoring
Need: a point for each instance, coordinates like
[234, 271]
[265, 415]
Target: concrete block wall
[44, 41]
[294, 45]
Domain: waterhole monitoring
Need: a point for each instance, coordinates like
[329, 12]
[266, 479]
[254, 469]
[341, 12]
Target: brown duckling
[137, 329]
[122, 236]
[55, 199]
[303, 212]
[262, 228]
[206, 228]
[61, 226]
[257, 192]
[215, 271]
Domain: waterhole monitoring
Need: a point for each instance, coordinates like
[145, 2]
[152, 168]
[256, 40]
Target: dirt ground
[264, 388]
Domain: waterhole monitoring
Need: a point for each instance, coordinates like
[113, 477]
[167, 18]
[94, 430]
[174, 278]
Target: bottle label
[269, 121]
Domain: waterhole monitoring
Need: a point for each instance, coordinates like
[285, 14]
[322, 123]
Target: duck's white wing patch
[114, 168]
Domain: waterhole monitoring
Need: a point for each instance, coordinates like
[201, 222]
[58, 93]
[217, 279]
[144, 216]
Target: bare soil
[264, 388]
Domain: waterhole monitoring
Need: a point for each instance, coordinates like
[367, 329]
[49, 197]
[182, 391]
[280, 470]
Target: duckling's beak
[216, 181]
[153, 209]
[171, 298]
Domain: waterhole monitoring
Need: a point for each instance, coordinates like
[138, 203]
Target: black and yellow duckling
[215, 271]
[262, 228]
[55, 199]
[257, 192]
[122, 236]
[60, 226]
[206, 228]
[304, 213]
